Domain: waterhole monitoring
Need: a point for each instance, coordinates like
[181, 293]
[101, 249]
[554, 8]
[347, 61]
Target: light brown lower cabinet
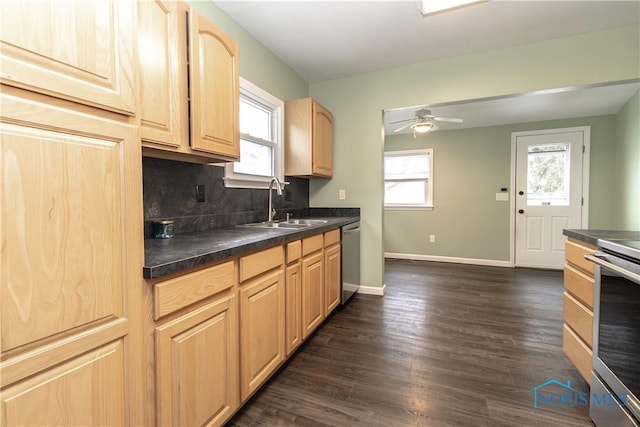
[579, 283]
[262, 317]
[222, 330]
[293, 297]
[312, 292]
[332, 277]
[197, 366]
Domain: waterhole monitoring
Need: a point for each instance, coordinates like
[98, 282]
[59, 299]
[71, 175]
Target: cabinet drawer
[312, 244]
[331, 237]
[181, 291]
[260, 262]
[575, 253]
[294, 251]
[579, 285]
[578, 352]
[579, 317]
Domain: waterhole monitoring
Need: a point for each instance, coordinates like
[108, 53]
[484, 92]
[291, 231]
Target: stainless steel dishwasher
[350, 260]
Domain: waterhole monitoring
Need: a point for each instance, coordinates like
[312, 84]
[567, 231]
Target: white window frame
[264, 98]
[428, 205]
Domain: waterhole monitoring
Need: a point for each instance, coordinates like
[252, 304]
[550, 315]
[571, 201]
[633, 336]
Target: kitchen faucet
[272, 211]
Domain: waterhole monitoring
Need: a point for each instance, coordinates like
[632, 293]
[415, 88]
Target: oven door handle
[601, 259]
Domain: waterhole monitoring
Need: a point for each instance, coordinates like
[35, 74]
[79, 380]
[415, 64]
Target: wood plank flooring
[448, 345]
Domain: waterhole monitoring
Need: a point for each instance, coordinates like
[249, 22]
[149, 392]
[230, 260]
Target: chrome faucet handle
[288, 216]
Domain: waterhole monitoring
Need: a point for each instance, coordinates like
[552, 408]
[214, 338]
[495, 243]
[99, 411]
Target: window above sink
[261, 139]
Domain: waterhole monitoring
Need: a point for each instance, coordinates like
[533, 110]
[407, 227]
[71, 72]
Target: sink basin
[305, 221]
[275, 225]
[292, 223]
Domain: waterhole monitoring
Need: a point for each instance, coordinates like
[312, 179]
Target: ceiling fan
[423, 121]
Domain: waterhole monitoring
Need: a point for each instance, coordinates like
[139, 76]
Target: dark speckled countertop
[592, 236]
[166, 256]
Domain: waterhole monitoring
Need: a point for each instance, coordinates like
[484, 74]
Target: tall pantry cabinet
[70, 215]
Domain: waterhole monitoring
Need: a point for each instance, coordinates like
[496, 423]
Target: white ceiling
[324, 40]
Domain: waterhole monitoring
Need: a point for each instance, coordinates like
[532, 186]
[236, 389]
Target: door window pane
[548, 175]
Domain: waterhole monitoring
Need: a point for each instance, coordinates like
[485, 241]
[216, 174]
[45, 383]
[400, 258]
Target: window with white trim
[261, 139]
[408, 181]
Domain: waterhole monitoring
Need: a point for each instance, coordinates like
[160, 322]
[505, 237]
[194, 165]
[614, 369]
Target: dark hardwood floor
[448, 345]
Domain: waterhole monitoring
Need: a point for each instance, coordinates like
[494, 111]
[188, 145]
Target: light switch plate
[502, 197]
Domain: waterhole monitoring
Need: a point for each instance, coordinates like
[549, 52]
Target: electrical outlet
[342, 194]
[200, 193]
[432, 238]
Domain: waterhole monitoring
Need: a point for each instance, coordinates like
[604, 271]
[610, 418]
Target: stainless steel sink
[267, 224]
[305, 221]
[291, 224]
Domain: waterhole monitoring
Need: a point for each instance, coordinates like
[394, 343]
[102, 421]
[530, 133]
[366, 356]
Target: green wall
[357, 103]
[628, 164]
[470, 167]
[257, 63]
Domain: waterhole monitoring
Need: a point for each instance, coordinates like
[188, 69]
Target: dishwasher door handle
[351, 230]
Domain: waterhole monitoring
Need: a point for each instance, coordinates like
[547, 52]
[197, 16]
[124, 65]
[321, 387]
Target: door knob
[520, 211]
[521, 193]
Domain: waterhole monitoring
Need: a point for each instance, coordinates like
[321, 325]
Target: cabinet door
[293, 283]
[262, 325]
[81, 50]
[215, 94]
[197, 366]
[312, 292]
[69, 276]
[332, 279]
[162, 47]
[322, 141]
[85, 391]
[63, 193]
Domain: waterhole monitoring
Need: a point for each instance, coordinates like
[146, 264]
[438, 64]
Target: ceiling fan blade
[401, 121]
[403, 127]
[448, 119]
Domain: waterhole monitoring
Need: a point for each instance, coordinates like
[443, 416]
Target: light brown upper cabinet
[162, 38]
[308, 139]
[203, 69]
[215, 90]
[83, 53]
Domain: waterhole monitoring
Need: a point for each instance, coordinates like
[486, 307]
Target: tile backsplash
[170, 193]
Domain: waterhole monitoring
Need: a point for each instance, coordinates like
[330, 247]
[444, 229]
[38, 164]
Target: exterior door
[549, 193]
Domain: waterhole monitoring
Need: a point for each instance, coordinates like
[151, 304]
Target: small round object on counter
[163, 229]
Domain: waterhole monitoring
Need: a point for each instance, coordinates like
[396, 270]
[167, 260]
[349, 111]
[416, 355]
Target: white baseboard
[456, 260]
[373, 290]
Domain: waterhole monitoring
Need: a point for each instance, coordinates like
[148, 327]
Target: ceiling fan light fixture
[431, 7]
[423, 127]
